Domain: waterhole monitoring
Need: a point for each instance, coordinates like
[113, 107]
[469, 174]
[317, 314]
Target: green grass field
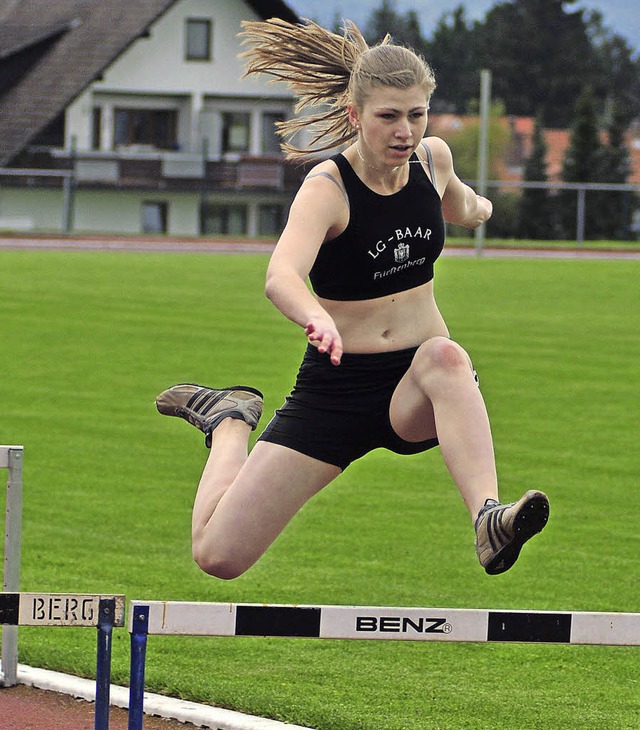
[88, 339]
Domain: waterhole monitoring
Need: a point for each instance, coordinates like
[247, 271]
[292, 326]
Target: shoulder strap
[343, 165]
[430, 165]
[333, 180]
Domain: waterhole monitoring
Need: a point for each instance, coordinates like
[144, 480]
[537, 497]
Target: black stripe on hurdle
[277, 621]
[9, 608]
[548, 628]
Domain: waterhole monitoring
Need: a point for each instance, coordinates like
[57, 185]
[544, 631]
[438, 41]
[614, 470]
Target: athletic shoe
[205, 408]
[502, 529]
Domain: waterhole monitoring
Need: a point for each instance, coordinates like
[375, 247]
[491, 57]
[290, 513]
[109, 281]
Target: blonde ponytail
[327, 72]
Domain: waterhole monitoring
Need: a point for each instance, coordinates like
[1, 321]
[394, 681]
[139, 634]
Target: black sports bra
[390, 243]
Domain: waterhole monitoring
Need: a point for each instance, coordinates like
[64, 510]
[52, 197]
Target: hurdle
[11, 458]
[179, 618]
[103, 612]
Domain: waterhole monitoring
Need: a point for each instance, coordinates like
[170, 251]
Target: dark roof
[269, 9]
[51, 50]
[16, 38]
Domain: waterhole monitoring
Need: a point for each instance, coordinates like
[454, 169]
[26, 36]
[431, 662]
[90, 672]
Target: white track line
[154, 704]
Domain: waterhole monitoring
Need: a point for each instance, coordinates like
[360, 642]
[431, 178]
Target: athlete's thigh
[411, 412]
[274, 483]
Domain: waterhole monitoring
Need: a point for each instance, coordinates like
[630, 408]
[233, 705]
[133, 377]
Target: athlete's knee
[441, 354]
[218, 565]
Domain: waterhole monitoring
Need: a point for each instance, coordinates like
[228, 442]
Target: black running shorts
[339, 413]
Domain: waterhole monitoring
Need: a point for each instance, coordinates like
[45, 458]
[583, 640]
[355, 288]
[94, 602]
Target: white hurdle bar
[11, 458]
[103, 612]
[178, 618]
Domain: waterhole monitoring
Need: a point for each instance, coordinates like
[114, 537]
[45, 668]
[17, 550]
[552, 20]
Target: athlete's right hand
[322, 333]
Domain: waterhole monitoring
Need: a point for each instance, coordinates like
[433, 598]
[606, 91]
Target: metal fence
[581, 190]
[68, 182]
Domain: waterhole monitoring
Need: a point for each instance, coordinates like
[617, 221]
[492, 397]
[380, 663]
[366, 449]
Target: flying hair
[327, 72]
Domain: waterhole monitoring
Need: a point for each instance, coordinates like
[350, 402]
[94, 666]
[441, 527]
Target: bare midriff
[394, 322]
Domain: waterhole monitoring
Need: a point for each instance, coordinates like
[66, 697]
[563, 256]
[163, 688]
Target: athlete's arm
[315, 210]
[460, 203]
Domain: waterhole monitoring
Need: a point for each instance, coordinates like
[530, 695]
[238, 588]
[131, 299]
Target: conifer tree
[536, 211]
[581, 164]
[453, 54]
[404, 28]
[615, 166]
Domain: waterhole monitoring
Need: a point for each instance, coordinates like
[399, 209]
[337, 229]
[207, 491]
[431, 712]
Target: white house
[146, 113]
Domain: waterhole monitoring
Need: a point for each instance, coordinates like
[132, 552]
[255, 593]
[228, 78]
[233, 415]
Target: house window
[270, 140]
[153, 127]
[96, 127]
[270, 218]
[224, 220]
[154, 217]
[235, 131]
[198, 39]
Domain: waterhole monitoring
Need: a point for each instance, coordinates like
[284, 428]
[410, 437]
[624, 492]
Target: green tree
[338, 22]
[464, 145]
[618, 73]
[404, 29]
[412, 33]
[540, 55]
[616, 207]
[581, 164]
[453, 55]
[535, 213]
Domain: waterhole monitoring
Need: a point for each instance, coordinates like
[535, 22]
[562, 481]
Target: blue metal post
[106, 617]
[139, 634]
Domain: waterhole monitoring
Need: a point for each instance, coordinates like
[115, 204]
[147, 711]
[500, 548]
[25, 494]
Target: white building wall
[157, 64]
[34, 209]
[115, 211]
[103, 211]
[154, 73]
[78, 122]
[121, 211]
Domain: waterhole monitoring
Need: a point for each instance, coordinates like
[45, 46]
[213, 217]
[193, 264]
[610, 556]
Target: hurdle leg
[11, 459]
[106, 616]
[139, 633]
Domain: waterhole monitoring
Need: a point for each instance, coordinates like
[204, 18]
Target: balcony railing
[155, 169]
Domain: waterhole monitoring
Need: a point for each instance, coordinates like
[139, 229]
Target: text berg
[401, 624]
[63, 609]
